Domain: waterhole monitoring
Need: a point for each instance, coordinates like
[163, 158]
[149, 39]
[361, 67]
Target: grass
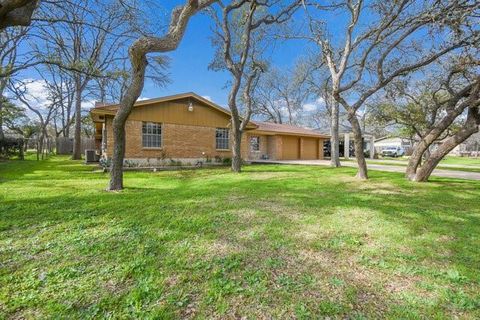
[448, 163]
[273, 242]
[450, 160]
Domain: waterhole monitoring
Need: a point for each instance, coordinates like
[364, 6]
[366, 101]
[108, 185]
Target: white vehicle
[393, 152]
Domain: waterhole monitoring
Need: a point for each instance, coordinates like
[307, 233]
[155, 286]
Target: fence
[65, 145]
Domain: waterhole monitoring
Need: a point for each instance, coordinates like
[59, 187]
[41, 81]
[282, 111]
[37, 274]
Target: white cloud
[309, 107]
[143, 98]
[208, 98]
[312, 106]
[35, 92]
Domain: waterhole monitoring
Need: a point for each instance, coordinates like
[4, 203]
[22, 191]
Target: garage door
[290, 148]
[310, 148]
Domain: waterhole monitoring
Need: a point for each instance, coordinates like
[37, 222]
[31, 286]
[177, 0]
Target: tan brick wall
[190, 142]
[178, 142]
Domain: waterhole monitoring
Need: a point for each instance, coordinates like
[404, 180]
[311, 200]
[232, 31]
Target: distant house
[385, 142]
[188, 127]
[407, 145]
[469, 148]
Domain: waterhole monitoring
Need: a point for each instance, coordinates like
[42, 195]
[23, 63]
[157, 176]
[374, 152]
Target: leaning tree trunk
[471, 127]
[357, 133]
[77, 139]
[334, 140]
[236, 149]
[139, 63]
[424, 144]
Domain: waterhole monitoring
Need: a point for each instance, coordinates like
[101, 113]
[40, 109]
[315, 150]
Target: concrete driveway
[379, 167]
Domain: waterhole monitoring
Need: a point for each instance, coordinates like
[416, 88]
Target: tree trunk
[335, 143]
[471, 127]
[357, 133]
[116, 173]
[21, 154]
[236, 149]
[422, 146]
[77, 139]
[126, 105]
[16, 13]
[2, 135]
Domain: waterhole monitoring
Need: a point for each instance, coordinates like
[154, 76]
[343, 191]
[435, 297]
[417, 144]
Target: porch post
[104, 139]
[372, 147]
[346, 145]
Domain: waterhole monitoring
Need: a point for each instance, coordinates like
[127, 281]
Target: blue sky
[189, 64]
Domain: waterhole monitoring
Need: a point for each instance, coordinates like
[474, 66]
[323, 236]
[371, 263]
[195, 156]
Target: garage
[310, 149]
[287, 142]
[290, 148]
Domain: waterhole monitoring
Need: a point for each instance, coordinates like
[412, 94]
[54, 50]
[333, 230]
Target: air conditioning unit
[89, 155]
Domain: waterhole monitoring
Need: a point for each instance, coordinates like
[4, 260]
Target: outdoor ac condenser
[89, 155]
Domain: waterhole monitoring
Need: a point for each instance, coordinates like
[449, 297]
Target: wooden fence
[65, 145]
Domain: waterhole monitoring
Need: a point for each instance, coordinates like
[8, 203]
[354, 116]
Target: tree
[10, 63]
[412, 108]
[238, 34]
[280, 95]
[138, 59]
[457, 94]
[84, 44]
[16, 12]
[44, 114]
[374, 55]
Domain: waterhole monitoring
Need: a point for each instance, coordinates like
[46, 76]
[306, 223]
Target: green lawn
[450, 160]
[448, 163]
[273, 242]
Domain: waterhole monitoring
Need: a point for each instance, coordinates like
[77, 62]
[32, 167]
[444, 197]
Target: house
[187, 127]
[468, 148]
[405, 143]
[385, 142]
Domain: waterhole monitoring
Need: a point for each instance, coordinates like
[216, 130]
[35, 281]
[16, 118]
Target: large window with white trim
[222, 138]
[151, 135]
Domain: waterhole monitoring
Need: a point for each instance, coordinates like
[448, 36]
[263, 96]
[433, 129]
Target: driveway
[379, 167]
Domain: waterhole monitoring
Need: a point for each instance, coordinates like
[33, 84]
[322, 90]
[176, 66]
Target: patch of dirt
[221, 248]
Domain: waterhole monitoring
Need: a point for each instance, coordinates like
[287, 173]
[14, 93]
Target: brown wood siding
[176, 112]
[290, 147]
[310, 149]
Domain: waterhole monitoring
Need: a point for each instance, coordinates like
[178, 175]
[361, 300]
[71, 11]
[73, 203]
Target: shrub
[11, 146]
[105, 163]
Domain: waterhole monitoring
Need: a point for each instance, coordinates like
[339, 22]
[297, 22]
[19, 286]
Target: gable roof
[287, 129]
[112, 108]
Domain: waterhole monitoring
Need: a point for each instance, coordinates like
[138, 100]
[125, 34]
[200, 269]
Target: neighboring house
[468, 148]
[407, 145]
[187, 127]
[385, 142]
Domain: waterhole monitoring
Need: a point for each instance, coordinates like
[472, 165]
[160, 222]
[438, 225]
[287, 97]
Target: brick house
[188, 127]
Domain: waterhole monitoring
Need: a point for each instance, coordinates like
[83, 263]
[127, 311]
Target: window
[255, 143]
[222, 138]
[151, 135]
